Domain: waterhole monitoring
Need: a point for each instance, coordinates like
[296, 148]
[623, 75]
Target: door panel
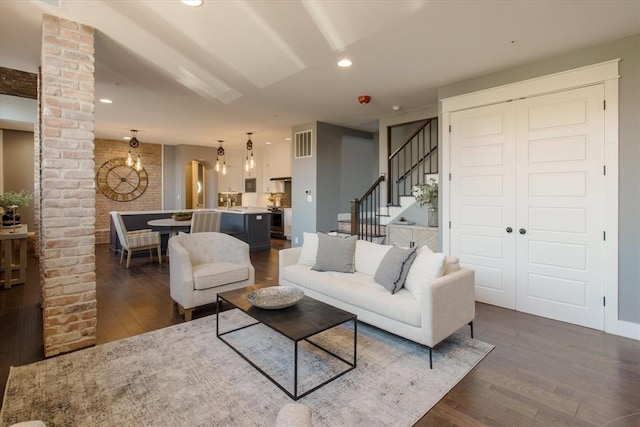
[532, 166]
[483, 199]
[560, 153]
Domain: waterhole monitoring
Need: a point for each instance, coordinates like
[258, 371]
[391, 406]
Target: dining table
[174, 225]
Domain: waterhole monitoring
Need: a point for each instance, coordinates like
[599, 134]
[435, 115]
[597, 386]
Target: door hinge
[604, 104]
[449, 128]
[449, 176]
[604, 169]
[604, 235]
[449, 225]
[604, 301]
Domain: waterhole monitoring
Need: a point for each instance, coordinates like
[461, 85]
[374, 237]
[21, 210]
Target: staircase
[407, 166]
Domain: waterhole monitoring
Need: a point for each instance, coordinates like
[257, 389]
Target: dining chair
[136, 240]
[204, 222]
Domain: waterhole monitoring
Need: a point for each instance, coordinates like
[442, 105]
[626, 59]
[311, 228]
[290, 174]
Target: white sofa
[427, 310]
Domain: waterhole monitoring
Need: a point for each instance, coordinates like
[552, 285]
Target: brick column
[67, 185]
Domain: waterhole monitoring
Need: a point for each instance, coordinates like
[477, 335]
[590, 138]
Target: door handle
[509, 229]
[522, 231]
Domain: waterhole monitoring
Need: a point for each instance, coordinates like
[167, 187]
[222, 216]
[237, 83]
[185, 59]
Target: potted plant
[182, 216]
[10, 201]
[427, 194]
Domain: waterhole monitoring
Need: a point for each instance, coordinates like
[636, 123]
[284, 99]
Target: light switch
[309, 198]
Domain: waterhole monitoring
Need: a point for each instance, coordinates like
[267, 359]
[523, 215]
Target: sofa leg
[180, 310]
[471, 325]
[430, 358]
[188, 314]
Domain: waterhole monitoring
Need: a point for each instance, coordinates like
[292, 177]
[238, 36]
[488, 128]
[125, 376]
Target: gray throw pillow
[335, 253]
[394, 267]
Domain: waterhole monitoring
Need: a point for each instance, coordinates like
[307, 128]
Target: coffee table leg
[217, 316]
[355, 341]
[295, 371]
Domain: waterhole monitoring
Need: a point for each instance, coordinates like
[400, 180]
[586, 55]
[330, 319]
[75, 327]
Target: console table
[11, 262]
[413, 235]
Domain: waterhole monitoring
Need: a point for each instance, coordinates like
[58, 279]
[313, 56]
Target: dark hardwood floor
[542, 372]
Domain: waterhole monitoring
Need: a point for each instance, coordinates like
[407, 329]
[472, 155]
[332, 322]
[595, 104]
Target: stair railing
[365, 213]
[412, 161]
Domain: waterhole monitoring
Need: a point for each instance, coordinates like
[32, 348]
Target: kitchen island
[251, 225]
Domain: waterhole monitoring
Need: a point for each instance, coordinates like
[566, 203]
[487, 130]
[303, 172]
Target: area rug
[184, 376]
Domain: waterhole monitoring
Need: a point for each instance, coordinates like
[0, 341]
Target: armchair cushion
[207, 276]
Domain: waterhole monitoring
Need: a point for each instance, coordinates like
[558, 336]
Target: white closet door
[483, 199]
[560, 158]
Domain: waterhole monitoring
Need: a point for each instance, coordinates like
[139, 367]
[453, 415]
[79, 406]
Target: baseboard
[628, 330]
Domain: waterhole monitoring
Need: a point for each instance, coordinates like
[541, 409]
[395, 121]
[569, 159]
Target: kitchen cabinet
[276, 164]
[233, 180]
[288, 218]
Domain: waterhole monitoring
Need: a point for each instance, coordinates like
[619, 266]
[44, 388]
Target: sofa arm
[448, 303]
[288, 257]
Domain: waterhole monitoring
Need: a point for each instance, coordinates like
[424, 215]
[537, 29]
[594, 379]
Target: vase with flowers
[10, 201]
[427, 194]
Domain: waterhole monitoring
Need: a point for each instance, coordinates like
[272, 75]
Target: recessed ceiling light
[193, 3]
[268, 142]
[287, 139]
[126, 138]
[344, 63]
[106, 101]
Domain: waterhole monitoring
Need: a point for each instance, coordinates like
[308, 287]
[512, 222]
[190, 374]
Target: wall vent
[303, 144]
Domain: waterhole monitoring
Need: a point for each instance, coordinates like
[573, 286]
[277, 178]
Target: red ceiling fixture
[364, 99]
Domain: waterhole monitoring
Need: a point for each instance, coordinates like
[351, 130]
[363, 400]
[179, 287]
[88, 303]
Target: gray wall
[303, 173]
[175, 160]
[17, 168]
[343, 166]
[357, 159]
[628, 50]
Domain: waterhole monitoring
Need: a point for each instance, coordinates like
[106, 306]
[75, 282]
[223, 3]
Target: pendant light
[249, 163]
[135, 144]
[224, 163]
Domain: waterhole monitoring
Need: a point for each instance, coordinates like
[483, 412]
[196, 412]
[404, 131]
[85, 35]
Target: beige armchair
[137, 240]
[205, 221]
[203, 264]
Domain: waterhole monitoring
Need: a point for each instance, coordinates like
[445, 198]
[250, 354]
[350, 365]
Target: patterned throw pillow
[394, 267]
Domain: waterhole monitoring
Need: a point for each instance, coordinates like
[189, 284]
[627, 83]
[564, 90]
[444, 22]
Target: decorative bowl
[275, 297]
[181, 216]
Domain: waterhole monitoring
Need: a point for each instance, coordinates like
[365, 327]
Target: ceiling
[184, 75]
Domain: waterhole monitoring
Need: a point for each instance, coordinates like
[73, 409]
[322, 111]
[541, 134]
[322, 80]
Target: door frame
[602, 73]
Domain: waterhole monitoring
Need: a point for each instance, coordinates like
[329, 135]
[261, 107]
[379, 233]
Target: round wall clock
[121, 182]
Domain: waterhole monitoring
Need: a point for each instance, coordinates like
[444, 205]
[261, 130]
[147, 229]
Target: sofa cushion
[207, 276]
[309, 249]
[451, 264]
[368, 256]
[356, 289]
[335, 253]
[426, 267]
[394, 267]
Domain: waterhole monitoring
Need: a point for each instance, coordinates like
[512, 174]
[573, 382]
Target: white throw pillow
[451, 265]
[309, 249]
[369, 255]
[426, 267]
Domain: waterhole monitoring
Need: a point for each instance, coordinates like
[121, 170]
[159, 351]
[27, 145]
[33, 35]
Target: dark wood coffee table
[300, 322]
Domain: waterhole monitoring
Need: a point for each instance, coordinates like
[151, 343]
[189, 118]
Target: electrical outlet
[295, 240]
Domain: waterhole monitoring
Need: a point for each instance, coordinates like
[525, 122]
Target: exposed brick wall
[67, 184]
[37, 146]
[151, 199]
[18, 83]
